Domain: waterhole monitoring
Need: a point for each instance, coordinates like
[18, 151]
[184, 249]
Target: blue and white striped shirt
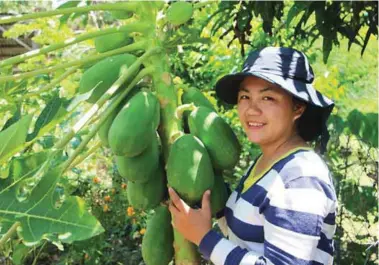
[286, 217]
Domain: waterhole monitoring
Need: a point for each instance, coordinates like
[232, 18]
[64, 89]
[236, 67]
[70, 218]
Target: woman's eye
[243, 97]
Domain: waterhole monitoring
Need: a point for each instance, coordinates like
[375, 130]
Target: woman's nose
[253, 109]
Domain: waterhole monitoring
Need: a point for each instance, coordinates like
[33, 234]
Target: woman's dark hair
[308, 124]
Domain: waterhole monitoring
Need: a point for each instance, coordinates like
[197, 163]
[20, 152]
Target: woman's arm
[298, 229]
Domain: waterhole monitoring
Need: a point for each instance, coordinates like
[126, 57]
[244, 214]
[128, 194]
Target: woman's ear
[298, 109]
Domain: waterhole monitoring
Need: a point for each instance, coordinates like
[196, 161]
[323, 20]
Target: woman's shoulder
[303, 164]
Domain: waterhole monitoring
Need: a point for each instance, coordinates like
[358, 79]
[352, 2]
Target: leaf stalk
[132, 47]
[127, 6]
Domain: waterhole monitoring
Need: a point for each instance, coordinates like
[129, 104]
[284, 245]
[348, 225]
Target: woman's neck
[271, 152]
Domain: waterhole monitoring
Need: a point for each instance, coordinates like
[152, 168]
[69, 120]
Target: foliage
[310, 20]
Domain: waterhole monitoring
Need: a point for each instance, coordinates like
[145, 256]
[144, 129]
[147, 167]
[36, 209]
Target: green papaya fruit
[218, 137]
[219, 194]
[157, 243]
[189, 168]
[179, 13]
[135, 125]
[142, 167]
[195, 96]
[104, 129]
[112, 41]
[103, 74]
[147, 195]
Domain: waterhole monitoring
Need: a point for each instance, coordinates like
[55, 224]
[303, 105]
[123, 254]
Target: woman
[283, 210]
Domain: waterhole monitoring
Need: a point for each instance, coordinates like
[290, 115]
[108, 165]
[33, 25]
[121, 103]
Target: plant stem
[182, 108]
[39, 253]
[185, 251]
[104, 116]
[55, 82]
[202, 4]
[9, 234]
[86, 155]
[170, 127]
[127, 6]
[133, 47]
[133, 27]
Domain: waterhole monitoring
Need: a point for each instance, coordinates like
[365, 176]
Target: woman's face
[266, 111]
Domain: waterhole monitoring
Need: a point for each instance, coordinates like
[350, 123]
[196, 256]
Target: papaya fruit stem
[55, 82]
[132, 47]
[104, 116]
[182, 108]
[127, 6]
[132, 27]
[9, 234]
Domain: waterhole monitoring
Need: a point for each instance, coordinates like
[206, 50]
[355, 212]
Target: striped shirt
[285, 216]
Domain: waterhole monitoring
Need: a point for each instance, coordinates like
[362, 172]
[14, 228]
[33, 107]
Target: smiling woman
[283, 210]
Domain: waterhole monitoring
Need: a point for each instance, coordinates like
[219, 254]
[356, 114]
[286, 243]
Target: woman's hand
[193, 224]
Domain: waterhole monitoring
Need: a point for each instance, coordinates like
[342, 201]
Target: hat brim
[227, 88]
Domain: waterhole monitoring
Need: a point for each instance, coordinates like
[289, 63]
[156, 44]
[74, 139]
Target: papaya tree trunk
[170, 126]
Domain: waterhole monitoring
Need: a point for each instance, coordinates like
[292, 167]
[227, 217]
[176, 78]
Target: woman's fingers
[178, 202]
[175, 199]
[206, 201]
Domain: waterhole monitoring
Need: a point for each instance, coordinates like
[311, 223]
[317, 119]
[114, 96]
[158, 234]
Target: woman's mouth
[255, 125]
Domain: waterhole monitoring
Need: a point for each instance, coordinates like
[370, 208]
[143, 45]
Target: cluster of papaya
[196, 157]
[131, 135]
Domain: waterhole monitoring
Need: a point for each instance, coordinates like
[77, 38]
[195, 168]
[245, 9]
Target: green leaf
[336, 123]
[12, 138]
[49, 114]
[67, 4]
[364, 126]
[42, 214]
[296, 9]
[19, 253]
[16, 116]
[327, 45]
[362, 199]
[370, 133]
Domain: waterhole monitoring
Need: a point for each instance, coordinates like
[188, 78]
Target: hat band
[277, 73]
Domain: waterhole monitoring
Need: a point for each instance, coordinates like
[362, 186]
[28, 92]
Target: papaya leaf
[364, 126]
[336, 123]
[354, 121]
[16, 117]
[327, 45]
[67, 4]
[41, 213]
[362, 199]
[12, 138]
[19, 253]
[296, 9]
[47, 141]
[49, 114]
[370, 133]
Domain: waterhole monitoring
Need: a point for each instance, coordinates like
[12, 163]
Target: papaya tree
[159, 135]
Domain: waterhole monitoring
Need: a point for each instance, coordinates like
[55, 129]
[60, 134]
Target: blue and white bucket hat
[290, 70]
